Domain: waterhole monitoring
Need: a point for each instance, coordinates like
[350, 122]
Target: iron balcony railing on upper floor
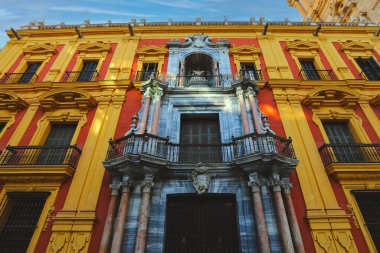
[159, 147]
[314, 74]
[11, 78]
[40, 155]
[145, 75]
[80, 76]
[350, 153]
[252, 74]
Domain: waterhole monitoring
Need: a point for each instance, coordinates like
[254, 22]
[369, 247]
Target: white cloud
[99, 11]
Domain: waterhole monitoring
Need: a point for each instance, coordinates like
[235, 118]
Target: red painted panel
[338, 191]
[268, 106]
[325, 62]
[32, 128]
[82, 137]
[376, 55]
[130, 107]
[15, 65]
[377, 111]
[292, 63]
[72, 63]
[50, 63]
[101, 213]
[43, 240]
[104, 68]
[348, 62]
[9, 132]
[367, 125]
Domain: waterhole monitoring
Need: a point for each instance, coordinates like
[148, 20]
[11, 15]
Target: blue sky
[15, 13]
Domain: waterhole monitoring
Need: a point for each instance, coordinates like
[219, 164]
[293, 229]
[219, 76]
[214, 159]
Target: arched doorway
[199, 70]
[201, 223]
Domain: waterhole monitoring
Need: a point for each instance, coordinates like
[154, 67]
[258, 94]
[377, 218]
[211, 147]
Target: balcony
[12, 78]
[350, 153]
[145, 75]
[252, 74]
[80, 76]
[313, 74]
[200, 81]
[243, 151]
[49, 162]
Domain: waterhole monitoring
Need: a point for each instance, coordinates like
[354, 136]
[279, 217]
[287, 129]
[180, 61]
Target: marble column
[120, 220]
[255, 114]
[244, 117]
[258, 210]
[145, 113]
[157, 108]
[293, 223]
[106, 237]
[285, 235]
[146, 185]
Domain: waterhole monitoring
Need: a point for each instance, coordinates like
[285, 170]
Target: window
[342, 142]
[88, 72]
[201, 223]
[30, 72]
[57, 144]
[370, 68]
[147, 70]
[19, 219]
[309, 71]
[200, 138]
[369, 205]
[249, 69]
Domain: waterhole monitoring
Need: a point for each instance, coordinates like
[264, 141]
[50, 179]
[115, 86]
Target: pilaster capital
[286, 185]
[126, 184]
[276, 183]
[147, 184]
[255, 182]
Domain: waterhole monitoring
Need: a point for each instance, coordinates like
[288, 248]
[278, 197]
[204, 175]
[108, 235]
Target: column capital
[126, 184]
[250, 92]
[275, 182]
[286, 185]
[255, 182]
[115, 186]
[147, 183]
[158, 94]
[148, 93]
[239, 91]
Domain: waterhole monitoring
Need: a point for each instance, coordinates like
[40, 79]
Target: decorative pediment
[152, 50]
[66, 98]
[11, 102]
[356, 46]
[45, 48]
[302, 45]
[198, 41]
[331, 97]
[245, 50]
[92, 47]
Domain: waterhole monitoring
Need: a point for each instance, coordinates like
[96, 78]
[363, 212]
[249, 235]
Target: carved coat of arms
[201, 180]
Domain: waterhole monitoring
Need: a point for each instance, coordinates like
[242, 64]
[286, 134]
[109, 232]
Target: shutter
[369, 204]
[19, 220]
[374, 67]
[30, 72]
[88, 71]
[370, 68]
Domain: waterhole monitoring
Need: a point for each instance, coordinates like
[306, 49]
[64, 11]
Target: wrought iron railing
[80, 76]
[9, 78]
[159, 147]
[40, 155]
[201, 81]
[350, 153]
[252, 74]
[313, 74]
[145, 75]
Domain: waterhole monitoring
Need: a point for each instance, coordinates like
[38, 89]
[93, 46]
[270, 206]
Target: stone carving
[344, 239]
[201, 180]
[198, 41]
